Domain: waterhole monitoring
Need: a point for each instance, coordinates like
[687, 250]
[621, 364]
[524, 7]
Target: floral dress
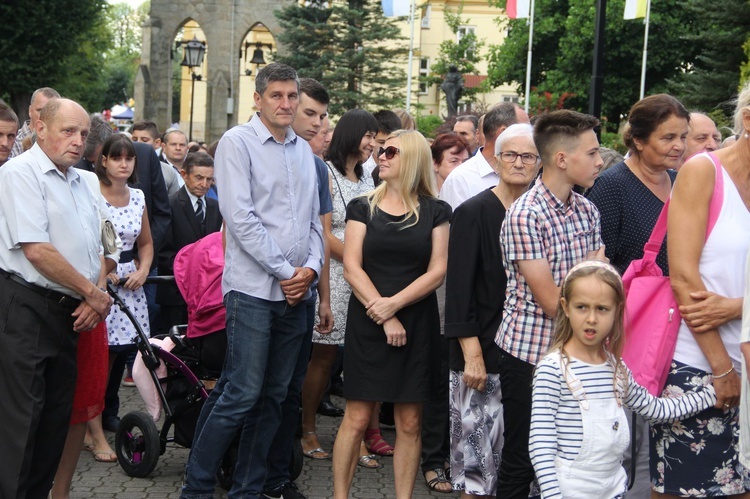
[343, 190]
[127, 222]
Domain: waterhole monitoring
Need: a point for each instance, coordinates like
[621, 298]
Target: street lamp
[194, 50]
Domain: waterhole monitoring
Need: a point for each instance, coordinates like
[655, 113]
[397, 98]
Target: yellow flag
[635, 9]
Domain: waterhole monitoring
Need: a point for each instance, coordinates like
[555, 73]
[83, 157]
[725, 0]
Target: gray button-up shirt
[39, 204]
[269, 201]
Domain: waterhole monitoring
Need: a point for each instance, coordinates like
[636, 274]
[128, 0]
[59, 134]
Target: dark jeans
[120, 354]
[516, 472]
[263, 343]
[37, 382]
[435, 419]
[280, 455]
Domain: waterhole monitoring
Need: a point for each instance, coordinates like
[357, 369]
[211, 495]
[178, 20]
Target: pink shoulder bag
[652, 315]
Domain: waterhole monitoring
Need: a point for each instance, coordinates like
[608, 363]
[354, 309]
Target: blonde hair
[614, 342]
[743, 101]
[415, 175]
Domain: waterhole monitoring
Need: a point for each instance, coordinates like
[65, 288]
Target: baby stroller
[172, 377]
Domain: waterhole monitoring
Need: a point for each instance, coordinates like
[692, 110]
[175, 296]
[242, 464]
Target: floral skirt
[698, 456]
[476, 428]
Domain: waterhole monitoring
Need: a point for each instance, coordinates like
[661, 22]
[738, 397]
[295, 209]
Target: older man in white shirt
[477, 174]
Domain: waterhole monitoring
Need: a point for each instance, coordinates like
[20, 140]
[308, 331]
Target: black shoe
[111, 423]
[286, 491]
[327, 408]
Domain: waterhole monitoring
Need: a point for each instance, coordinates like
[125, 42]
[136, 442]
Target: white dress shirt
[468, 179]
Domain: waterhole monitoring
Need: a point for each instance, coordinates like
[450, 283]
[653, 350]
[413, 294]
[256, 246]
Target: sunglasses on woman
[389, 152]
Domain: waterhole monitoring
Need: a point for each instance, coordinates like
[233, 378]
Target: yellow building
[431, 30]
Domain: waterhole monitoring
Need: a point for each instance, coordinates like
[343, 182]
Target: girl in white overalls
[578, 427]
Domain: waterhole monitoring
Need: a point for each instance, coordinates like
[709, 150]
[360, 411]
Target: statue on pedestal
[453, 86]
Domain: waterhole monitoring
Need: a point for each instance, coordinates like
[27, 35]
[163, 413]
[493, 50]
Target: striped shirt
[556, 426]
[538, 225]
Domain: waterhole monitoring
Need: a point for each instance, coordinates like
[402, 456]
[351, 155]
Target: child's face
[584, 162]
[592, 311]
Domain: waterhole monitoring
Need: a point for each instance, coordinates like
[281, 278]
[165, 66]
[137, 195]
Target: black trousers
[37, 383]
[516, 471]
[435, 419]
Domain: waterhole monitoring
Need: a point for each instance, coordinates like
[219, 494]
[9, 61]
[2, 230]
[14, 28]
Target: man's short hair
[501, 115]
[165, 138]
[388, 121]
[100, 131]
[7, 114]
[146, 126]
[315, 90]
[198, 158]
[560, 130]
[275, 71]
[469, 117]
[48, 92]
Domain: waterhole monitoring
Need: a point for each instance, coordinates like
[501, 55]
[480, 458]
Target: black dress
[393, 258]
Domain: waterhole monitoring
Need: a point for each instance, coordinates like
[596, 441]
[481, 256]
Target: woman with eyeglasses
[352, 144]
[475, 292]
[395, 258]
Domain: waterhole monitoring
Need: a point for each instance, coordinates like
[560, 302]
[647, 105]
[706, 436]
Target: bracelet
[725, 374]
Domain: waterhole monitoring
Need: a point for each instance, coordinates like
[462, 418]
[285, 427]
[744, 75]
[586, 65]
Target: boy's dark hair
[197, 159]
[315, 90]
[388, 121]
[147, 126]
[560, 129]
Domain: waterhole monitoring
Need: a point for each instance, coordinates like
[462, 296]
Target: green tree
[714, 78]
[353, 50]
[464, 54]
[50, 42]
[563, 52]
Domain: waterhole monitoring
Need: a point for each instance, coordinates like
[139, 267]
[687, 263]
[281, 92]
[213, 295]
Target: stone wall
[225, 24]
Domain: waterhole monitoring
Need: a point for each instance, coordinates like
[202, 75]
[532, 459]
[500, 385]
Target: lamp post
[194, 50]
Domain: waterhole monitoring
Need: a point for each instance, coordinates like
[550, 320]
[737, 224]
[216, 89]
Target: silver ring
[726, 406]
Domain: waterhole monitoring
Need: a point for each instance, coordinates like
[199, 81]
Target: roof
[473, 81]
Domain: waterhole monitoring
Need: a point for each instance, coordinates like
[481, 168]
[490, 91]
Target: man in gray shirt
[50, 272]
[274, 252]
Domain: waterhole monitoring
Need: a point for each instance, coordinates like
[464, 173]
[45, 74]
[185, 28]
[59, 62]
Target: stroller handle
[154, 279]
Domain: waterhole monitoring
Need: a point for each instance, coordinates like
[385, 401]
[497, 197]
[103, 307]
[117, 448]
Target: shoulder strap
[333, 174]
[652, 247]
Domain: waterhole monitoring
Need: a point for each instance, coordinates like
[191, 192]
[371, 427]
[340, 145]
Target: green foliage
[348, 47]
[714, 78]
[563, 52]
[464, 54]
[45, 43]
[745, 68]
[88, 50]
[427, 124]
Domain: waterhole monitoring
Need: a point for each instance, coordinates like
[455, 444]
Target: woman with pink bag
[699, 455]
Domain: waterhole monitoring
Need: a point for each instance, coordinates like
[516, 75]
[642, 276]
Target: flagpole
[528, 60]
[412, 7]
[645, 49]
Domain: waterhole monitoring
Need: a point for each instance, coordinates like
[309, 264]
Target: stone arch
[257, 34]
[225, 23]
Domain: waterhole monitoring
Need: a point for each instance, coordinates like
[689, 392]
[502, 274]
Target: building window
[462, 32]
[510, 98]
[426, 13]
[424, 71]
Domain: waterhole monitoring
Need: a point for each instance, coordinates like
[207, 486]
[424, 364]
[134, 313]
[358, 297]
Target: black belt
[50, 294]
[127, 256]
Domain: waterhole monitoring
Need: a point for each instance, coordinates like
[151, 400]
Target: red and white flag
[517, 9]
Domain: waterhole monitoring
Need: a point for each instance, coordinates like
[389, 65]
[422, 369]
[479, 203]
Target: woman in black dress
[395, 257]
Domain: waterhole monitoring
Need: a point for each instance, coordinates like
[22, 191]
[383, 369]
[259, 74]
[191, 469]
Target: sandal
[105, 456]
[376, 444]
[368, 461]
[439, 478]
[316, 453]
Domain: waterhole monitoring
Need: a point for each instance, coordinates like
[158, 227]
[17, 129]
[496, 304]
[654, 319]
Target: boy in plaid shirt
[545, 233]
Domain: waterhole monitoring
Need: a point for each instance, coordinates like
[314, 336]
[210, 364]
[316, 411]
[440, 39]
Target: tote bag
[652, 315]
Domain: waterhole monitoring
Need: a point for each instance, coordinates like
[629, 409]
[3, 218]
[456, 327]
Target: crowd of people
[472, 284]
